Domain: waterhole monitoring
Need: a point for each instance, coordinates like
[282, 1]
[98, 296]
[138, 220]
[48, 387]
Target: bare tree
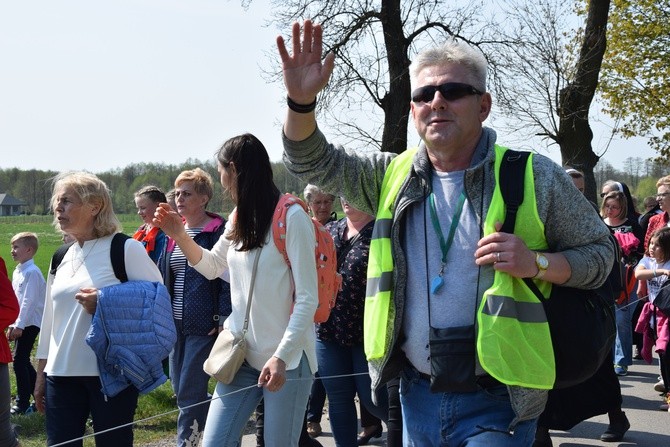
[374, 43]
[547, 87]
[536, 79]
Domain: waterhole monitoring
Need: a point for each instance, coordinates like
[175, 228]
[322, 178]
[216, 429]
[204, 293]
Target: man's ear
[485, 106]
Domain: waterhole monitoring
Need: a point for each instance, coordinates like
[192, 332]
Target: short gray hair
[313, 190]
[452, 51]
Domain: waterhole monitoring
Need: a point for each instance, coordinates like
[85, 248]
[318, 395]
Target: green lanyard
[438, 282]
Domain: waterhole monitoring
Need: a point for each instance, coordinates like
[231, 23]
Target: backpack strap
[511, 179]
[512, 175]
[117, 255]
[279, 222]
[58, 256]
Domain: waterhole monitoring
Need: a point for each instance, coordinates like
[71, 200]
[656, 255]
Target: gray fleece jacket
[571, 226]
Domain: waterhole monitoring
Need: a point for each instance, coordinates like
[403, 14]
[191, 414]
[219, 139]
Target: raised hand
[168, 220]
[305, 75]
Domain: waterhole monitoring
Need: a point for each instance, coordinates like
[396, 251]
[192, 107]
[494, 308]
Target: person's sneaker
[314, 429]
[660, 386]
[19, 410]
[617, 427]
[620, 370]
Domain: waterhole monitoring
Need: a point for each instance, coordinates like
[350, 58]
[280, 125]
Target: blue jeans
[70, 400]
[337, 360]
[623, 346]
[233, 405]
[23, 369]
[478, 419]
[189, 383]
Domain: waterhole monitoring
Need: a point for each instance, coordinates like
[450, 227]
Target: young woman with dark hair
[281, 355]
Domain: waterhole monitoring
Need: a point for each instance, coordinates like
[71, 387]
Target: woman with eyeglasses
[613, 185]
[627, 230]
[199, 303]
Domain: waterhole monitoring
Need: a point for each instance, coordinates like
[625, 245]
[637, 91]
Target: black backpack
[581, 322]
[117, 255]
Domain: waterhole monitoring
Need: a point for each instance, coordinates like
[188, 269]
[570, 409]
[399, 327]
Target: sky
[98, 85]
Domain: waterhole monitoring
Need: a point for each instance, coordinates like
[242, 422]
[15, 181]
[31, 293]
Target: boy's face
[21, 252]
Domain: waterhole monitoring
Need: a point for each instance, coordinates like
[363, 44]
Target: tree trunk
[396, 101]
[575, 134]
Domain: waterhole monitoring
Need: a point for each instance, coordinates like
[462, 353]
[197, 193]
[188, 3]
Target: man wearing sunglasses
[429, 264]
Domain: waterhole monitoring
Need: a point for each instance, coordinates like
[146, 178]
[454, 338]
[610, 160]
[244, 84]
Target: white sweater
[279, 325]
[65, 322]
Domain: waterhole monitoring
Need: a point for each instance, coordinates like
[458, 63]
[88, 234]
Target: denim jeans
[477, 419]
[233, 405]
[623, 346]
[337, 360]
[7, 435]
[189, 383]
[70, 400]
[23, 368]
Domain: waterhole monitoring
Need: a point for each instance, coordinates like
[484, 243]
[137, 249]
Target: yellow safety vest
[513, 339]
[378, 309]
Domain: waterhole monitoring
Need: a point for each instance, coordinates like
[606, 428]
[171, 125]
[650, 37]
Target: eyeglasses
[451, 91]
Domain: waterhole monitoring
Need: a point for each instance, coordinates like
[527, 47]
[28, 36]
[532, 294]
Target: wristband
[300, 108]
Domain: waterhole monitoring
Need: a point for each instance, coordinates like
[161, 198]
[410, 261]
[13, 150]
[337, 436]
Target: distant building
[11, 206]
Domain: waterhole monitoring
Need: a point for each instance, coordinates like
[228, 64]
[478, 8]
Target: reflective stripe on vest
[513, 339]
[378, 310]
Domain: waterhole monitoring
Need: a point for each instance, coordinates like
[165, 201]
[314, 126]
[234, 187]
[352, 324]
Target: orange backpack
[328, 278]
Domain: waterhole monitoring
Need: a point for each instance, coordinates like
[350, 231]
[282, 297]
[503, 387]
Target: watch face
[542, 262]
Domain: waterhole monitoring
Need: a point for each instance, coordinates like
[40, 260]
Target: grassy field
[158, 402]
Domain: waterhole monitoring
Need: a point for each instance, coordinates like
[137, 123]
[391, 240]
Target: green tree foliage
[35, 186]
[635, 81]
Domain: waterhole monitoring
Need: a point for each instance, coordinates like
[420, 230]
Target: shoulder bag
[581, 322]
[230, 349]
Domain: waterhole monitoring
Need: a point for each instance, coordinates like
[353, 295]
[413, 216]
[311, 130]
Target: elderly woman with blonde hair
[70, 391]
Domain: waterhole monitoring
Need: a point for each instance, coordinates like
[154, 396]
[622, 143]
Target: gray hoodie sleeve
[356, 177]
[572, 226]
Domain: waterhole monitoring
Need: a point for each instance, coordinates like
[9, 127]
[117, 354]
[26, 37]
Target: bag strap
[511, 180]
[251, 291]
[58, 256]
[118, 254]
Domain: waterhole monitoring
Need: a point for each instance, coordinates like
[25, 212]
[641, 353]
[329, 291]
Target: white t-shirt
[654, 284]
[65, 322]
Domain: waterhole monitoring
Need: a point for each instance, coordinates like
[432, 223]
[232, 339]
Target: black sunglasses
[451, 91]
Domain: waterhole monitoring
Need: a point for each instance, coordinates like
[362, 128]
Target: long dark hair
[256, 193]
